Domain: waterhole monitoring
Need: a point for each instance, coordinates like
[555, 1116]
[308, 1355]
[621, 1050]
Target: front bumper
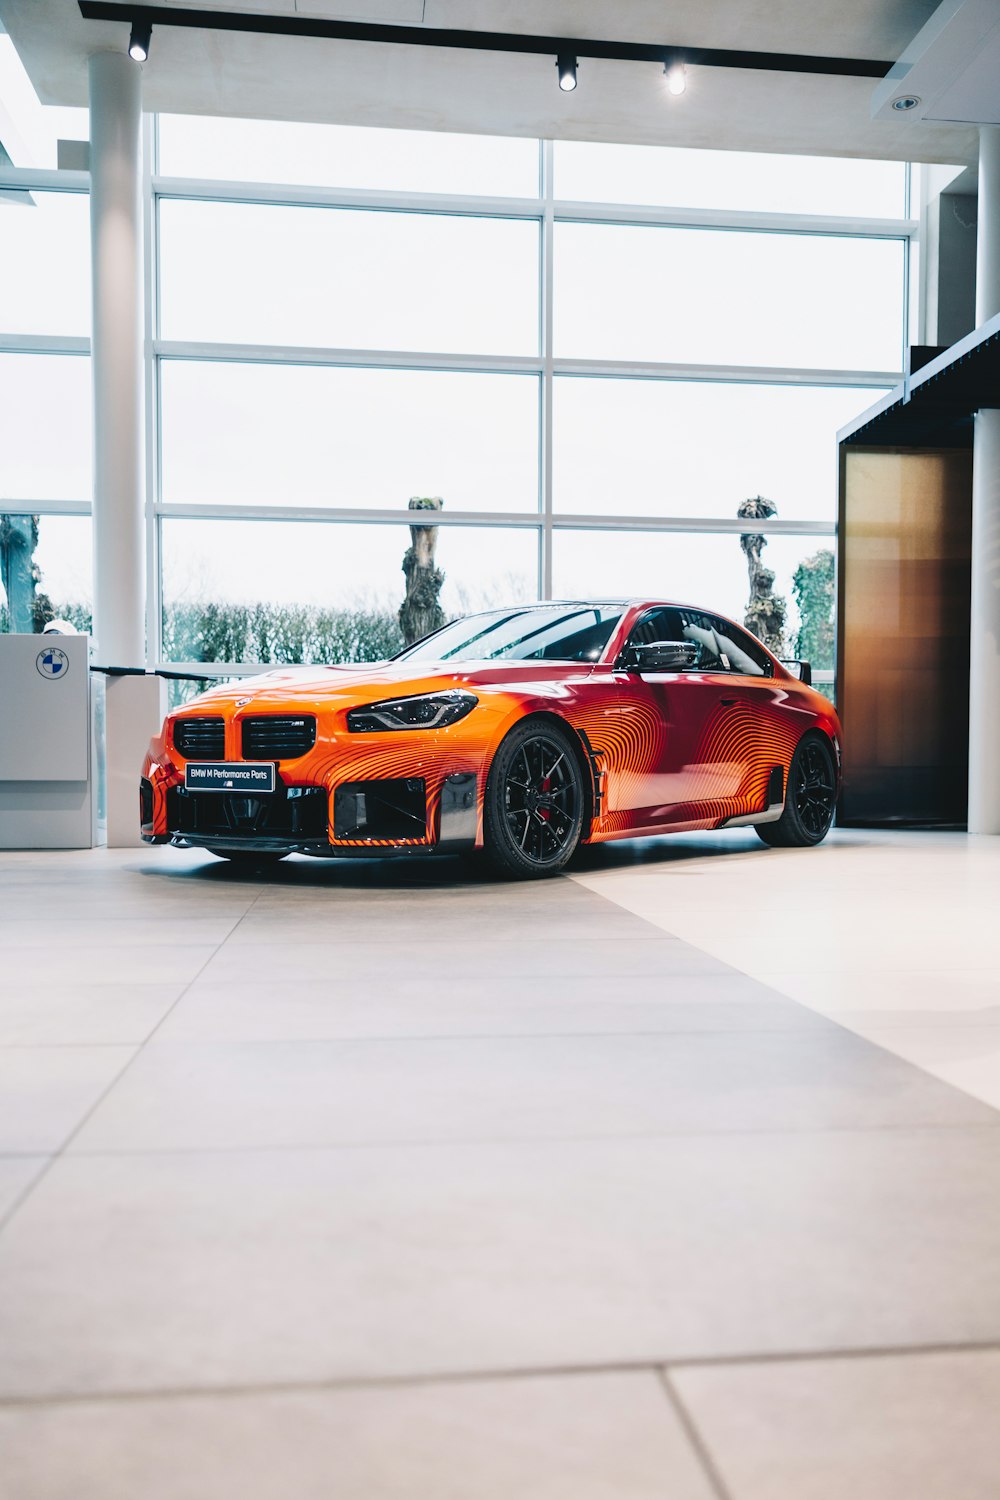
[368, 817]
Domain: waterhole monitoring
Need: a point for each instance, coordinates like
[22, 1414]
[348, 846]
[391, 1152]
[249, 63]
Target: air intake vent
[201, 739]
[278, 738]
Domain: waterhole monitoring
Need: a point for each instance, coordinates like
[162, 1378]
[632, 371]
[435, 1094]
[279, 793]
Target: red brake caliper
[545, 813]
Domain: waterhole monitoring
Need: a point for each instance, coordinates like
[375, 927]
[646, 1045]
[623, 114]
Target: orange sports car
[523, 732]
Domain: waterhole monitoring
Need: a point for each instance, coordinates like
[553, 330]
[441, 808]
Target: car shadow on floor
[442, 872]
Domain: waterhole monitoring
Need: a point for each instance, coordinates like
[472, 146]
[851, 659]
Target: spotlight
[138, 42]
[567, 72]
[905, 102]
[676, 76]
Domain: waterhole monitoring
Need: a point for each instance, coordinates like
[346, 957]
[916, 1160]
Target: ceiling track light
[138, 42]
[566, 65]
[676, 75]
[257, 23]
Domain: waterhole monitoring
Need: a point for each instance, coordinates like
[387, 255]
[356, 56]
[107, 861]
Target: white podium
[47, 760]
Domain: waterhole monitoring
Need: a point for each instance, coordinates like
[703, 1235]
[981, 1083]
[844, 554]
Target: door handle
[729, 702]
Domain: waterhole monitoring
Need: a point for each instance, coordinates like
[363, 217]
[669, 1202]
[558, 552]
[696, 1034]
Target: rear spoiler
[800, 669]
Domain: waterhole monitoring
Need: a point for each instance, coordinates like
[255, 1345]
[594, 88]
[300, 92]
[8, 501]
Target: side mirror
[662, 656]
[800, 669]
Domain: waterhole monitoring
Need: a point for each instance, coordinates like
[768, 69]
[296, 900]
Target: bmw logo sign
[52, 663]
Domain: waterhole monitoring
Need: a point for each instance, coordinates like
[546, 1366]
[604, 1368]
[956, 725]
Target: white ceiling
[950, 67]
[363, 83]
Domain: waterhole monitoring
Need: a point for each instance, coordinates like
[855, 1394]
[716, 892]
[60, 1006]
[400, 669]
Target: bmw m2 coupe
[522, 732]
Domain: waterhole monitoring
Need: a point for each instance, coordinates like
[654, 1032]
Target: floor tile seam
[511, 975]
[357, 943]
[186, 988]
[950, 1025]
[348, 1038]
[987, 971]
[423, 945]
[450, 1036]
[905, 970]
[390, 1038]
[655, 1367]
[844, 1355]
[22, 1198]
[140, 945]
[529, 1142]
[69, 1046]
[360, 1383]
[695, 1438]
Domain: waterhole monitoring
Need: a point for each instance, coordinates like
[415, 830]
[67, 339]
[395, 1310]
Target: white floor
[388, 1181]
[893, 935]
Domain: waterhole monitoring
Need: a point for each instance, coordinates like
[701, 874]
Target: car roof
[642, 601]
[635, 602]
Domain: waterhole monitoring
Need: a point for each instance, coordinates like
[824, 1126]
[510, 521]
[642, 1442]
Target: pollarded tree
[421, 612]
[28, 608]
[766, 610]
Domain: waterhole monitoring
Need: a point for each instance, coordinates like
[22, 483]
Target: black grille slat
[278, 736]
[201, 739]
[299, 813]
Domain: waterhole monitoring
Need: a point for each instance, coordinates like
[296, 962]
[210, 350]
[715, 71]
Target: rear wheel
[810, 798]
[533, 817]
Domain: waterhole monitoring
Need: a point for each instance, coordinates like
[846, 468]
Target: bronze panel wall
[903, 658]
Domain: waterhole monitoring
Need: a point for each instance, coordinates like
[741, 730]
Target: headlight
[428, 711]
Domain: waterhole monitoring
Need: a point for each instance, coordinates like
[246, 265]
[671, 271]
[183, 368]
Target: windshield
[555, 632]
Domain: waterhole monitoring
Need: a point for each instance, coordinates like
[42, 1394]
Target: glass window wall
[238, 590]
[704, 569]
[737, 180]
[462, 388]
[45, 264]
[727, 297]
[348, 156]
[697, 448]
[255, 273]
[46, 446]
[306, 435]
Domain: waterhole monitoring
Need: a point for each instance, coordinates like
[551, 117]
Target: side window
[657, 625]
[724, 647]
[741, 651]
[700, 628]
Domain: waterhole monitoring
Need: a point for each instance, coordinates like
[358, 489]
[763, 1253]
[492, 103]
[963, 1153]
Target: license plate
[229, 776]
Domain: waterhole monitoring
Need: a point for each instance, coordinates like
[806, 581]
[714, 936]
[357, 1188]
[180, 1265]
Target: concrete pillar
[116, 343]
[134, 705]
[984, 659]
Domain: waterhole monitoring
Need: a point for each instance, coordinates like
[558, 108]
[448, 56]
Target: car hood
[326, 687]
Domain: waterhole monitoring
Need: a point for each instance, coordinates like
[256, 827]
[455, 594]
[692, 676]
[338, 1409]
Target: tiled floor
[676, 1179]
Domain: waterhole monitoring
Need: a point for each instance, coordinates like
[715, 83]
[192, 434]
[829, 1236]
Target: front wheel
[533, 817]
[810, 798]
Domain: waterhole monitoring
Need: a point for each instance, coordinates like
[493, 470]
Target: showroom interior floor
[379, 1181]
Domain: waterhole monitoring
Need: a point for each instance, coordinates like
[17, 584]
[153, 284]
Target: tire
[248, 856]
[533, 818]
[810, 798]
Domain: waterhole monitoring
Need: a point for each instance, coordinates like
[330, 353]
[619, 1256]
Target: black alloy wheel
[534, 801]
[810, 798]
